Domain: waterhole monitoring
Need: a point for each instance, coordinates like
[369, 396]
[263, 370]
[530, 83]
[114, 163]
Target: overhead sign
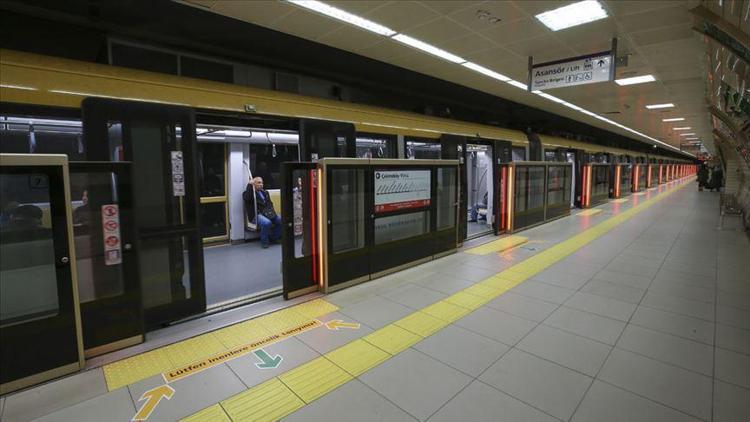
[401, 189]
[111, 233]
[574, 71]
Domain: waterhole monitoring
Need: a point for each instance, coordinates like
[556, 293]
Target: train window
[600, 181]
[265, 161]
[42, 136]
[27, 253]
[557, 185]
[518, 154]
[212, 160]
[536, 187]
[550, 156]
[347, 209]
[143, 58]
[206, 69]
[422, 149]
[376, 146]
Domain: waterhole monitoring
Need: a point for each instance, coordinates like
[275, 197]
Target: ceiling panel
[646, 21]
[544, 48]
[660, 35]
[622, 8]
[446, 7]
[402, 15]
[350, 38]
[472, 18]
[437, 31]
[304, 24]
[509, 32]
[259, 12]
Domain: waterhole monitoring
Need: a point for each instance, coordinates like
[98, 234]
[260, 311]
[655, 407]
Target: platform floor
[638, 312]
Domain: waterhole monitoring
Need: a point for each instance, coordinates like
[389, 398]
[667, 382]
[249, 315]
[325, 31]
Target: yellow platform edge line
[425, 324]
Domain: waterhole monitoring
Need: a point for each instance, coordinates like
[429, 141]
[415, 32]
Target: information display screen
[397, 190]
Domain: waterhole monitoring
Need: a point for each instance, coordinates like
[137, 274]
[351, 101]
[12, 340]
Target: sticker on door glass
[178, 174]
[111, 233]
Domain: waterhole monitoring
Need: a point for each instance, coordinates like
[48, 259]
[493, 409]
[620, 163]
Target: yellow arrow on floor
[152, 397]
[335, 324]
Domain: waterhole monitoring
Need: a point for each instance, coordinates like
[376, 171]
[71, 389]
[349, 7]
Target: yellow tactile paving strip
[591, 211]
[323, 374]
[145, 365]
[498, 245]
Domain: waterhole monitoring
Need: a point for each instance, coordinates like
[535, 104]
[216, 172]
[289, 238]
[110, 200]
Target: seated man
[266, 217]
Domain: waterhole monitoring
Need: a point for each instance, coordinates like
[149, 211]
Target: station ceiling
[657, 37]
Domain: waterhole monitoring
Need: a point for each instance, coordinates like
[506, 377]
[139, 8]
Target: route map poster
[401, 189]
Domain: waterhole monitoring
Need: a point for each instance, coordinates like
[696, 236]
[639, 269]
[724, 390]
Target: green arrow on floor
[267, 362]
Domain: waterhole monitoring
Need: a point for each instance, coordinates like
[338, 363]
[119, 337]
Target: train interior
[479, 189]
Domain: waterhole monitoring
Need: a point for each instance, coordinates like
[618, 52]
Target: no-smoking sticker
[111, 234]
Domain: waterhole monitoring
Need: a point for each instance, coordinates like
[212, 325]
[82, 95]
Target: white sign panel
[401, 189]
[178, 174]
[579, 71]
[111, 233]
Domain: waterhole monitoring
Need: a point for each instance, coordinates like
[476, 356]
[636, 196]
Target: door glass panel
[302, 196]
[557, 185]
[27, 253]
[99, 276]
[212, 159]
[601, 181]
[167, 279]
[347, 209]
[446, 198]
[401, 226]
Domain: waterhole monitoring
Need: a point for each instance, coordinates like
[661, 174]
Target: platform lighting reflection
[572, 15]
[428, 48]
[673, 119]
[635, 80]
[658, 106]
[336, 13]
[682, 128]
[687, 134]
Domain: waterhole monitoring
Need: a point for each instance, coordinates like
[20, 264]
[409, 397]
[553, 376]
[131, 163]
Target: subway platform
[636, 310]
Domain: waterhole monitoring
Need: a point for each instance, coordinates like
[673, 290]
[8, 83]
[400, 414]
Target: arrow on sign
[335, 324]
[267, 362]
[601, 63]
[152, 397]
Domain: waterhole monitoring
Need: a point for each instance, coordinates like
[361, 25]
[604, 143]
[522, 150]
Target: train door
[453, 147]
[104, 237]
[479, 188]
[160, 142]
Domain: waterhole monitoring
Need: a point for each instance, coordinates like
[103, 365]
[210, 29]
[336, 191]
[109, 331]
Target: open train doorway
[479, 188]
[240, 206]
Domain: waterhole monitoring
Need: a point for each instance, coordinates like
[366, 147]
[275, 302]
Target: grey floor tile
[614, 291]
[641, 261]
[47, 398]
[601, 305]
[191, 394]
[462, 349]
[501, 326]
[733, 367]
[324, 340]
[733, 338]
[679, 305]
[605, 402]
[468, 272]
[414, 296]
[523, 306]
[543, 291]
[731, 403]
[699, 268]
[582, 270]
[293, 354]
[569, 350]
[481, 403]
[545, 385]
[675, 387]
[732, 316]
[349, 402]
[2, 405]
[113, 406]
[620, 267]
[415, 382]
[445, 283]
[678, 351]
[680, 325]
[689, 279]
[376, 311]
[701, 294]
[631, 280]
[562, 279]
[595, 327]
[738, 300]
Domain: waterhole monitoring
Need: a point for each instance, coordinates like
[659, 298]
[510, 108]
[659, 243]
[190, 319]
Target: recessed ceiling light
[655, 106]
[572, 15]
[336, 13]
[682, 128]
[687, 134]
[635, 80]
[518, 84]
[427, 48]
[673, 119]
[483, 70]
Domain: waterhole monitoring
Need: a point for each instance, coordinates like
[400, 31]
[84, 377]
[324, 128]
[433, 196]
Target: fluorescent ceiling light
[655, 106]
[691, 139]
[635, 80]
[484, 71]
[518, 84]
[687, 134]
[343, 16]
[673, 119]
[234, 132]
[572, 15]
[549, 97]
[427, 48]
[682, 128]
